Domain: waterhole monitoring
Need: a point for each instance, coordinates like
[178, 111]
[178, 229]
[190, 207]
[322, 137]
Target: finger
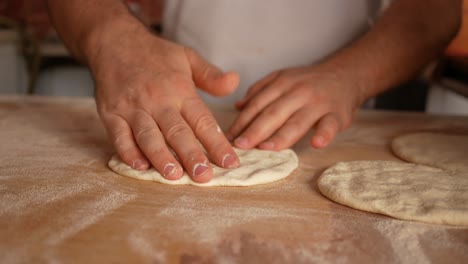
[122, 138]
[292, 131]
[269, 120]
[325, 131]
[182, 140]
[152, 143]
[258, 86]
[208, 132]
[209, 77]
[254, 107]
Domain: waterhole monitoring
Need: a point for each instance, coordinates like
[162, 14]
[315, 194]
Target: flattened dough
[443, 151]
[401, 190]
[257, 167]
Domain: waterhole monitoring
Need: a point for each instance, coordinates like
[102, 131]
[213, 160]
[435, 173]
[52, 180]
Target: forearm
[407, 37]
[86, 26]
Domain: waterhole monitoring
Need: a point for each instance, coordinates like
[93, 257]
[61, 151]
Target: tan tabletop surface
[59, 202]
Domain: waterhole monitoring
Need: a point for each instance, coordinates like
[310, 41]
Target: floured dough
[401, 190]
[257, 167]
[444, 151]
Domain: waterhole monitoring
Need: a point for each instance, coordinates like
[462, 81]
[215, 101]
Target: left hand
[280, 109]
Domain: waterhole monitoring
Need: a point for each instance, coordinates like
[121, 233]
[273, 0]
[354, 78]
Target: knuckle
[118, 135]
[121, 103]
[146, 132]
[253, 107]
[189, 51]
[282, 78]
[102, 110]
[176, 131]
[108, 119]
[281, 138]
[206, 72]
[193, 103]
[180, 81]
[119, 139]
[310, 96]
[205, 123]
[315, 100]
[272, 112]
[167, 112]
[301, 85]
[305, 89]
[295, 126]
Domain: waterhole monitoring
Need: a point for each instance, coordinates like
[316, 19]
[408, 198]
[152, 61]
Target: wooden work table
[59, 202]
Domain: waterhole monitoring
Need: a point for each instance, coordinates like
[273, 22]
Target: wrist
[356, 86]
[108, 35]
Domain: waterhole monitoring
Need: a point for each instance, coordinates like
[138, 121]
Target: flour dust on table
[257, 167]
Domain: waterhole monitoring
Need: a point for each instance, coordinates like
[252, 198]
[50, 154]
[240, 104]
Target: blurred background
[33, 60]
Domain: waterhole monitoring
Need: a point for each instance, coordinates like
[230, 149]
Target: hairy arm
[408, 36]
[85, 25]
[282, 107]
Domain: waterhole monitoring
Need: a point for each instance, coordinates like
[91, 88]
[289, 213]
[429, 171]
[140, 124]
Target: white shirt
[257, 37]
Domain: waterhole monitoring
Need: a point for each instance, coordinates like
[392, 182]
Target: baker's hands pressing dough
[147, 101]
[281, 108]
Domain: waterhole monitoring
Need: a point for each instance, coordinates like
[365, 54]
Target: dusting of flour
[207, 225]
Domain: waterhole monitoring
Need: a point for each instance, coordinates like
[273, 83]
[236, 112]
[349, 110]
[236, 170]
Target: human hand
[147, 101]
[280, 109]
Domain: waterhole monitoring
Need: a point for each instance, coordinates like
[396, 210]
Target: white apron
[256, 37]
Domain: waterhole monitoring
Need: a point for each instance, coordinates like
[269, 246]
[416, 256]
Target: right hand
[146, 98]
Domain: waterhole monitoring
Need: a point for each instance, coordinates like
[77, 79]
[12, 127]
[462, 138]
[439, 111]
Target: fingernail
[219, 130]
[229, 161]
[320, 140]
[241, 142]
[169, 169]
[267, 145]
[199, 169]
[140, 165]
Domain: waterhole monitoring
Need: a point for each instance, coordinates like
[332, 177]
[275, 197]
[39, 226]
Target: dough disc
[257, 167]
[443, 151]
[401, 190]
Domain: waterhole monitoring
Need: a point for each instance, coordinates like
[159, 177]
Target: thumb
[209, 77]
